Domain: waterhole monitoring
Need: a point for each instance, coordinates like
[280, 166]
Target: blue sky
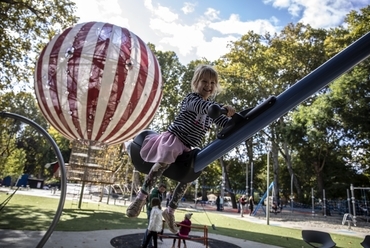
[203, 28]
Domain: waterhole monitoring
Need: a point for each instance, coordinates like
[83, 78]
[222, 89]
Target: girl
[185, 228]
[242, 202]
[187, 131]
[155, 222]
[251, 205]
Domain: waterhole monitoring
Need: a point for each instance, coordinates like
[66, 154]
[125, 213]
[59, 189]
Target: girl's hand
[230, 110]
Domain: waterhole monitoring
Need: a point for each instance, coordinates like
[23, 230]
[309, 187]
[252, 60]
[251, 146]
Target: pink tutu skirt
[162, 148]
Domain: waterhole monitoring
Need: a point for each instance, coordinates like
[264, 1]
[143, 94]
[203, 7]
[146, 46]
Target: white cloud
[279, 3]
[324, 13]
[188, 8]
[164, 28]
[212, 14]
[161, 12]
[184, 37]
[234, 26]
[101, 11]
[208, 34]
[274, 20]
[189, 39]
[318, 13]
[215, 48]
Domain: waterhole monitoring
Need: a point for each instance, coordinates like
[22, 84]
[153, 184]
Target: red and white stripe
[92, 94]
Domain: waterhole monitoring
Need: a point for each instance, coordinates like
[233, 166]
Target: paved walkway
[232, 213]
[98, 239]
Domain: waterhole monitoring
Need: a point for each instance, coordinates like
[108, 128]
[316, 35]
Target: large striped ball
[98, 82]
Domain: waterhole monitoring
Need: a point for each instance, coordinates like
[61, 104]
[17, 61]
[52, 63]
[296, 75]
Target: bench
[203, 237]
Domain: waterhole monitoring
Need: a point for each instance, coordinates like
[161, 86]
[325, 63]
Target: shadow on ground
[134, 241]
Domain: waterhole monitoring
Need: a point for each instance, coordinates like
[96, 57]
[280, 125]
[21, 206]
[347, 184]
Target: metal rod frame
[60, 159]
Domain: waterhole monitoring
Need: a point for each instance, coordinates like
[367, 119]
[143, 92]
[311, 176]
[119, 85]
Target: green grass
[36, 213]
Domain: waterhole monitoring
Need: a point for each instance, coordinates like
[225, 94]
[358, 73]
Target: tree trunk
[275, 171]
[227, 184]
[288, 160]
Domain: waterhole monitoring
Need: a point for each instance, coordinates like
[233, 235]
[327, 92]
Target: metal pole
[324, 199]
[313, 202]
[353, 204]
[268, 184]
[132, 184]
[348, 202]
[85, 174]
[222, 183]
[291, 193]
[252, 179]
[246, 181]
[195, 194]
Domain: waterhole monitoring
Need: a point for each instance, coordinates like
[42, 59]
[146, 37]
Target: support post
[252, 179]
[353, 204]
[291, 193]
[268, 184]
[246, 181]
[324, 204]
[313, 203]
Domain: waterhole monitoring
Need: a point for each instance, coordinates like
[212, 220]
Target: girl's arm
[200, 106]
[151, 220]
[221, 121]
[196, 104]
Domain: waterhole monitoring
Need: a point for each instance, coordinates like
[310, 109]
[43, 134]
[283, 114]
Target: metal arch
[63, 188]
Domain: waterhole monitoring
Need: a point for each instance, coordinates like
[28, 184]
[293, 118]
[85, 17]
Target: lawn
[35, 213]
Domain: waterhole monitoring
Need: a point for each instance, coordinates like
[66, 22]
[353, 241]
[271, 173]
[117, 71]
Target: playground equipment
[63, 178]
[98, 84]
[246, 123]
[365, 207]
[313, 238]
[348, 218]
[260, 204]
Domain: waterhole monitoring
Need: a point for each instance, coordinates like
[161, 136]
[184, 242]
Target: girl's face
[206, 86]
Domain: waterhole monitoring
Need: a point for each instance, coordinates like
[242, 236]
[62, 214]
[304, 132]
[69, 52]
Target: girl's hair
[156, 202]
[205, 70]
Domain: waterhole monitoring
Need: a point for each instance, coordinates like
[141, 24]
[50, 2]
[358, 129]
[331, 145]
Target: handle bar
[215, 111]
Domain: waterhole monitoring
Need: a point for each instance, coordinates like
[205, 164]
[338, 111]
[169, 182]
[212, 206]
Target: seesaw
[246, 123]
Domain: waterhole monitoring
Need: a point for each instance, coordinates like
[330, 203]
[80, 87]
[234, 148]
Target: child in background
[251, 205]
[155, 222]
[186, 132]
[242, 202]
[184, 230]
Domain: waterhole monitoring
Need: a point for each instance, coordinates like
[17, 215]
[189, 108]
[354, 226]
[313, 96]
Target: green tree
[17, 135]
[259, 66]
[62, 143]
[349, 94]
[14, 164]
[172, 71]
[24, 29]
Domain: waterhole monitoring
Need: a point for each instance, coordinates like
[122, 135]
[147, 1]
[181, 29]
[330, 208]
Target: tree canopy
[24, 29]
[323, 143]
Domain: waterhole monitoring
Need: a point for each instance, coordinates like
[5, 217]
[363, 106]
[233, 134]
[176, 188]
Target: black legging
[174, 241]
[155, 239]
[153, 177]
